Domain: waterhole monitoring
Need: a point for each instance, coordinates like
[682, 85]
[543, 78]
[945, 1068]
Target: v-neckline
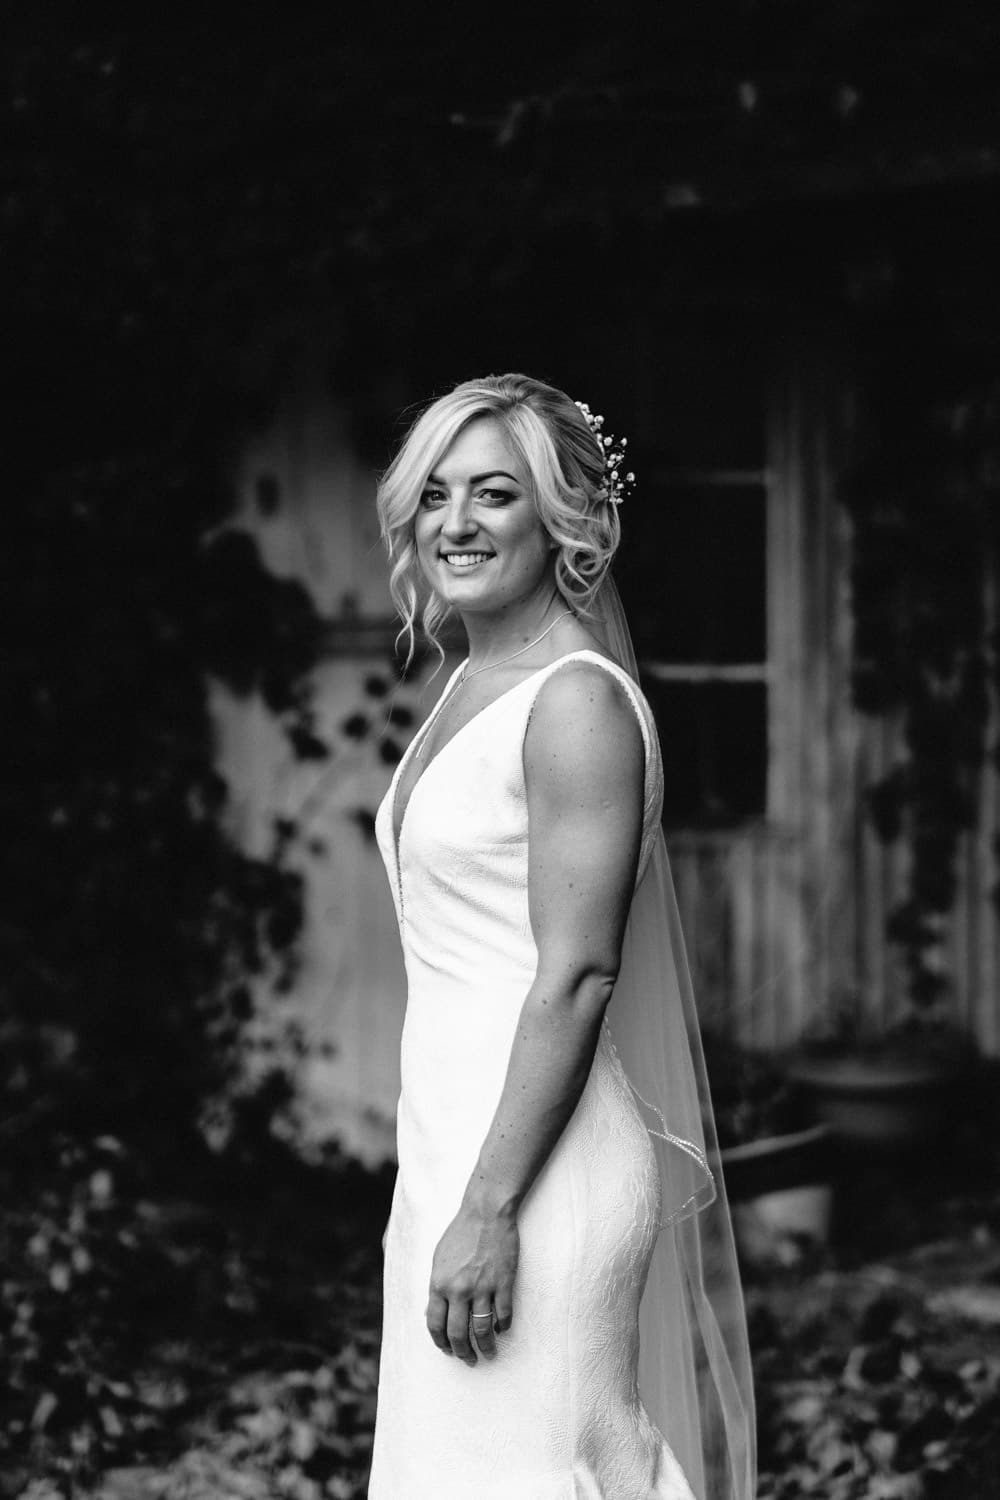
[428, 724]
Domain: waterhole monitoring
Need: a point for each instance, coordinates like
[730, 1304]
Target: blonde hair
[566, 465]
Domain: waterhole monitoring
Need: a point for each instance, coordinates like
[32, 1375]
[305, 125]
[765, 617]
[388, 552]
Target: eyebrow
[478, 478]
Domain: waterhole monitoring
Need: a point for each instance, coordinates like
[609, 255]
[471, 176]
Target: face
[479, 539]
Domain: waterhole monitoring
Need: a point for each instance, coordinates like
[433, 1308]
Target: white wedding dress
[557, 1415]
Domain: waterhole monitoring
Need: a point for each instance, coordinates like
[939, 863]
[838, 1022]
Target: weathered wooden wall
[786, 918]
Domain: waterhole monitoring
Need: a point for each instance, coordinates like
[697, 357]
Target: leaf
[882, 1446]
[264, 1426]
[896, 1487]
[162, 1394]
[120, 1389]
[805, 1410]
[852, 1378]
[111, 1422]
[41, 1489]
[60, 1277]
[365, 820]
[355, 727]
[44, 1408]
[977, 1304]
[302, 1441]
[102, 1187]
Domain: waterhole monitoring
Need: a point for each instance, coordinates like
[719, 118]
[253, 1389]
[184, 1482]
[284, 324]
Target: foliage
[216, 1333]
[133, 924]
[134, 1307]
[924, 498]
[863, 1395]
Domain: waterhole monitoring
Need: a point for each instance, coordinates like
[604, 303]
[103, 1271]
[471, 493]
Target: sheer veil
[694, 1360]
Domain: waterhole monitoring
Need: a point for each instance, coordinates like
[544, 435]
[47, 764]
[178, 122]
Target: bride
[562, 1316]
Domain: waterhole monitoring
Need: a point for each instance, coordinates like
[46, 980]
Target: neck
[496, 635]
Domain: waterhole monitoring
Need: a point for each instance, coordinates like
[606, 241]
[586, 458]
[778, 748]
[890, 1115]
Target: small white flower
[613, 451]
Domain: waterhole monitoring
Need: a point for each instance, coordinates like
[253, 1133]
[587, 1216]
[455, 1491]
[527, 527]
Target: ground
[214, 1333]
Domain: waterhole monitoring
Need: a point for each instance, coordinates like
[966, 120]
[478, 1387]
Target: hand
[473, 1273]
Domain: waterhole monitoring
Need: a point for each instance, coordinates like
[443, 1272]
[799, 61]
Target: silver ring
[488, 1316]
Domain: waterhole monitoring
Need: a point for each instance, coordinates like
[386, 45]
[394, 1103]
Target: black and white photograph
[500, 940]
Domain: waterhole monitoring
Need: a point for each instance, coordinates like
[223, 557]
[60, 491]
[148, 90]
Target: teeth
[464, 559]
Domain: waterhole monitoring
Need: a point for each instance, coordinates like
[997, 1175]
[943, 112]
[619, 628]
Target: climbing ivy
[924, 497]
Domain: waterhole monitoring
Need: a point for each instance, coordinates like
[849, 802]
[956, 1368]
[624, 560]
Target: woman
[521, 839]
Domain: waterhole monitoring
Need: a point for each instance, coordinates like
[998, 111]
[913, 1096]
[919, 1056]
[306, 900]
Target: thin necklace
[466, 674]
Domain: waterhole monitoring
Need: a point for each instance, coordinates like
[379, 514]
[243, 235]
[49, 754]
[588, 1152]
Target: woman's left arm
[584, 771]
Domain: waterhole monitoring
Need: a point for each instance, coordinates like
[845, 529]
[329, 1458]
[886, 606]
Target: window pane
[714, 739]
[691, 571]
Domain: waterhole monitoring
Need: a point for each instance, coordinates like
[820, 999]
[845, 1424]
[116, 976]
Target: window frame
[697, 674]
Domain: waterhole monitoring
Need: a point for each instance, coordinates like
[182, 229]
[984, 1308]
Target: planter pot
[884, 1102]
[781, 1195]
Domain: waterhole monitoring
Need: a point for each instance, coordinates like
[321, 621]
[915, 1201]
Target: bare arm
[584, 767]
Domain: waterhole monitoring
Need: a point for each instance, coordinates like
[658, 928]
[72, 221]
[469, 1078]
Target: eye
[432, 497]
[495, 497]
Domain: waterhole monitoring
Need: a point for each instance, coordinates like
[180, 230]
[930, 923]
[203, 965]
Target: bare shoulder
[584, 727]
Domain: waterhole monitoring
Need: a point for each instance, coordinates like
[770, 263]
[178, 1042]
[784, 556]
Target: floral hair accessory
[613, 449]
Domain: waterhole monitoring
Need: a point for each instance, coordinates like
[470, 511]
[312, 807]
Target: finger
[483, 1332]
[458, 1330]
[503, 1302]
[437, 1321]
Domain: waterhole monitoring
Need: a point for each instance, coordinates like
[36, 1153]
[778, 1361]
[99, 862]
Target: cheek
[423, 538]
[533, 550]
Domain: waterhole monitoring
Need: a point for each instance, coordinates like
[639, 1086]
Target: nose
[459, 522]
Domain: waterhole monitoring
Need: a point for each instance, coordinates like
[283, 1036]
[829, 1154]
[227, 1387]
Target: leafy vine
[924, 497]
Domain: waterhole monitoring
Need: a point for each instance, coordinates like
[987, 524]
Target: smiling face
[479, 539]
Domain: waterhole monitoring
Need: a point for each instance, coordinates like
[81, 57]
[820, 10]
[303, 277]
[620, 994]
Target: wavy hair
[566, 466]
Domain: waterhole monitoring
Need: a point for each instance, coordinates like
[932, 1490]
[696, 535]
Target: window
[693, 571]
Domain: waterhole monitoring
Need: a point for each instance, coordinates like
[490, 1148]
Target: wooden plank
[839, 718]
[984, 965]
[785, 696]
[896, 882]
[741, 891]
[818, 788]
[963, 934]
[988, 860]
[773, 1022]
[759, 1003]
[690, 893]
[784, 604]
